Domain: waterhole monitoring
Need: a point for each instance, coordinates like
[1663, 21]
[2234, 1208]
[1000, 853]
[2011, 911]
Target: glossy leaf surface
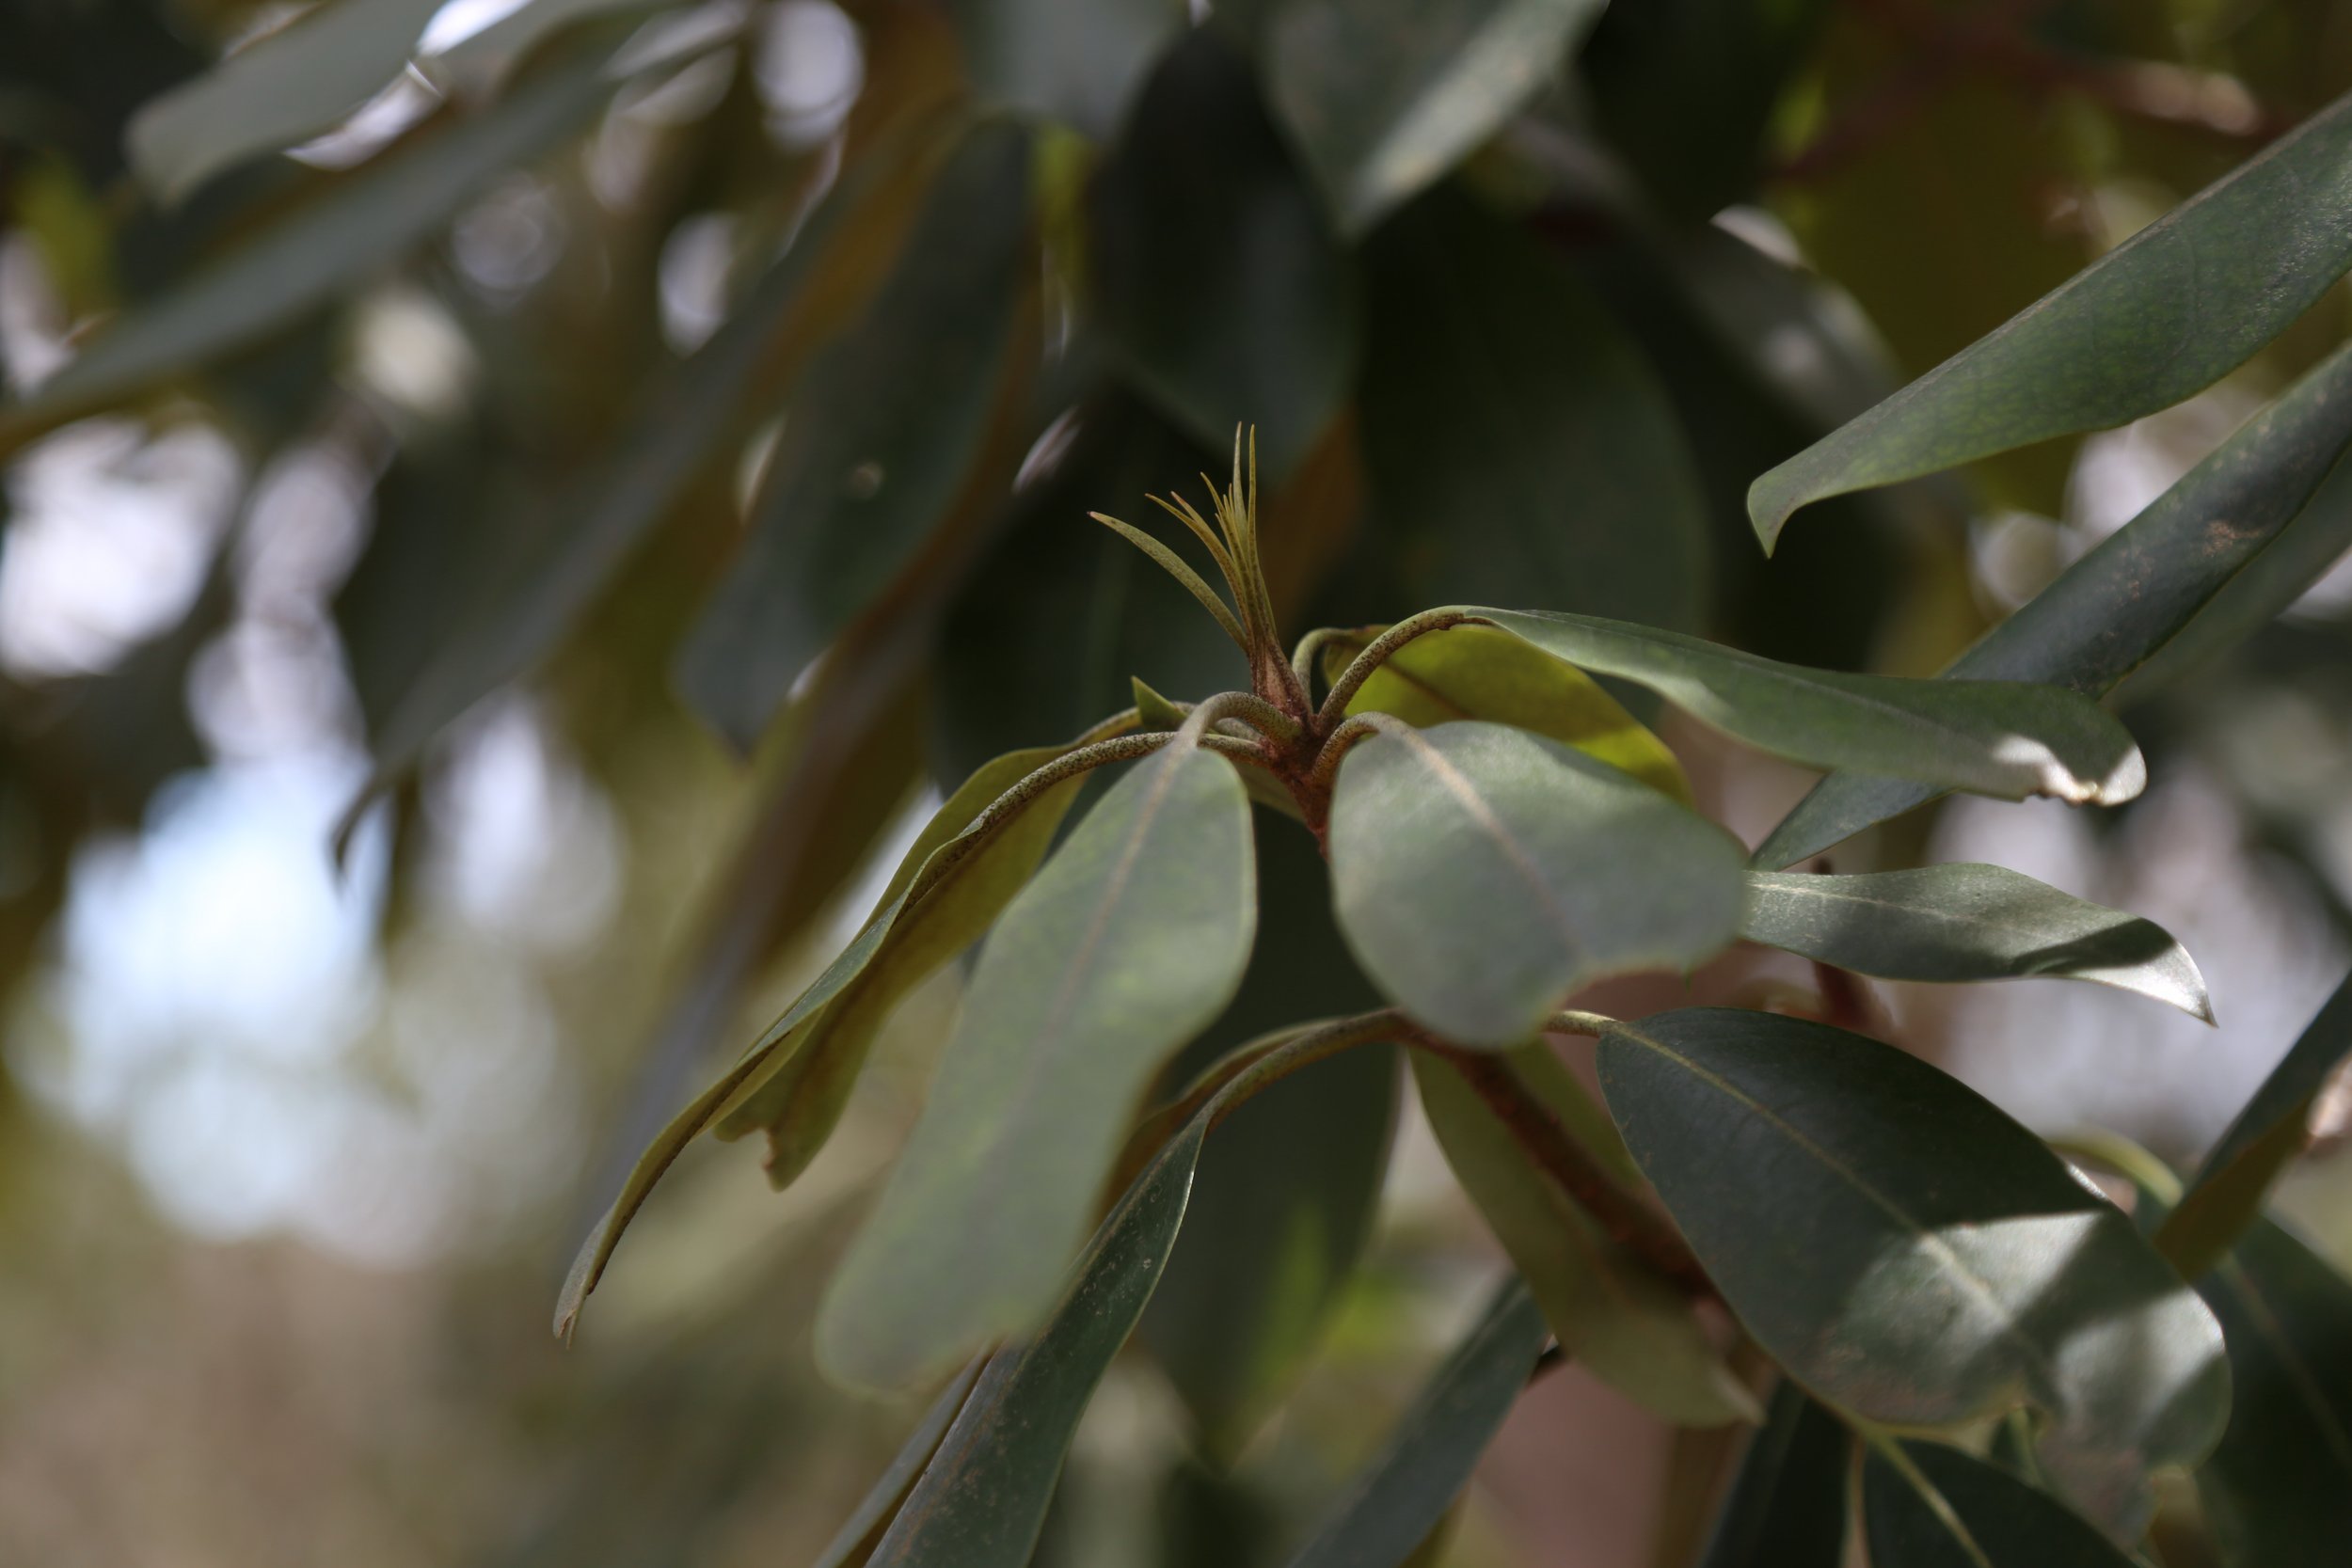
[2006, 1524]
[1910, 1254]
[1960, 923]
[1788, 1504]
[1481, 874]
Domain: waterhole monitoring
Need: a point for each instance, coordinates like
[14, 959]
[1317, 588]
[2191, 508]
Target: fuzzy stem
[1377, 653]
[1336, 745]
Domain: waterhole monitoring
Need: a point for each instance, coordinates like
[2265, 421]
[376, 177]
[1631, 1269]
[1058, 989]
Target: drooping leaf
[2273, 1129]
[1910, 1252]
[2278, 1491]
[2116, 609]
[1473, 672]
[1256, 324]
[1481, 874]
[1516, 448]
[1989, 1519]
[1385, 96]
[1130, 940]
[853, 1544]
[2005, 739]
[1958, 923]
[274, 92]
[1610, 1310]
[867, 467]
[1398, 1499]
[1075, 64]
[1787, 1502]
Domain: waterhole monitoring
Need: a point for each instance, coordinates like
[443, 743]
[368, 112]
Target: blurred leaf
[1129, 940]
[2003, 1522]
[1075, 64]
[1960, 923]
[853, 1544]
[2272, 1130]
[2164, 315]
[2004, 739]
[279, 90]
[1475, 671]
[1910, 1254]
[882, 435]
[2278, 1491]
[1221, 289]
[1481, 874]
[1396, 1500]
[1385, 96]
[1787, 1502]
[1517, 447]
[1630, 1328]
[481, 60]
[2117, 608]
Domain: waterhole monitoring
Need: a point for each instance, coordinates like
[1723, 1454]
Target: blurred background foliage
[492, 414]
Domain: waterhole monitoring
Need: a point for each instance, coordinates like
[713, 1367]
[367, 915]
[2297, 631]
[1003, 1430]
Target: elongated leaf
[1518, 448]
[1074, 64]
[1993, 737]
[1628, 1327]
[481, 60]
[2116, 609]
[1258, 326]
[1910, 1252]
[1475, 671]
[1481, 874]
[1398, 1499]
[2163, 315]
[2265, 1137]
[1130, 940]
[1987, 1518]
[274, 92]
[867, 471]
[1385, 96]
[2278, 1489]
[1788, 1504]
[853, 1544]
[1957, 923]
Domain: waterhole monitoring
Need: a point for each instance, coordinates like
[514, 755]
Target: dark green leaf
[2118, 608]
[1788, 1504]
[882, 437]
[1957, 923]
[1398, 1498]
[2278, 1489]
[1630, 1328]
[1385, 96]
[1222, 292]
[1987, 1518]
[1481, 874]
[2006, 738]
[1910, 1254]
[2268, 1133]
[1130, 940]
[853, 1544]
[1517, 447]
[1076, 64]
[2163, 315]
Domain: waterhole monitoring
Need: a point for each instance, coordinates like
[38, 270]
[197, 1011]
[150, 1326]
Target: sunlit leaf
[1910, 1254]
[1979, 1516]
[1129, 940]
[1481, 874]
[1956, 923]
[1787, 1502]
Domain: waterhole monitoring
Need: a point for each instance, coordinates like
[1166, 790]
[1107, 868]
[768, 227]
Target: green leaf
[1075, 64]
[1518, 449]
[1258, 324]
[1912, 1254]
[2005, 739]
[1129, 940]
[275, 92]
[1958, 923]
[2164, 315]
[1787, 1502]
[982, 1498]
[1987, 1518]
[481, 60]
[853, 1544]
[2278, 1491]
[2175, 569]
[1481, 874]
[1475, 671]
[1385, 96]
[1628, 1327]
[1396, 1500]
[866, 470]
[2267, 1135]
